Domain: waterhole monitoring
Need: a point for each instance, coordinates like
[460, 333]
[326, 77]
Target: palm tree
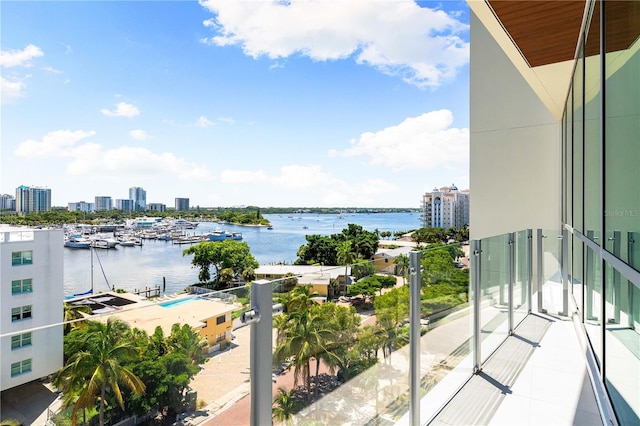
[346, 257]
[285, 405]
[304, 339]
[73, 316]
[97, 369]
[301, 298]
[402, 264]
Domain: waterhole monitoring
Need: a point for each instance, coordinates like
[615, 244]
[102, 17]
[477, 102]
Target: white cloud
[302, 177]
[11, 90]
[242, 176]
[132, 162]
[227, 120]
[17, 57]
[422, 46]
[203, 121]
[52, 70]
[58, 143]
[424, 142]
[123, 109]
[139, 135]
[92, 160]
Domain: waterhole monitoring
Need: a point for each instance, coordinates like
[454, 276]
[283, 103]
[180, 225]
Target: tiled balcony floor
[537, 377]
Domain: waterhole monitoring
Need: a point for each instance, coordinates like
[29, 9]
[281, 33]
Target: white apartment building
[445, 207]
[31, 298]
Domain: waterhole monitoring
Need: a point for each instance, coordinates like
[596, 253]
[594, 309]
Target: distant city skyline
[359, 104]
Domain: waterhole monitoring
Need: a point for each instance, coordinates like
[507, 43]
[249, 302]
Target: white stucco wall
[515, 146]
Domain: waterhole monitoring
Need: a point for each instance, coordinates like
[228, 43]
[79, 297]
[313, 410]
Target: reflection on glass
[578, 147]
[552, 285]
[494, 284]
[576, 274]
[446, 360]
[593, 301]
[521, 284]
[622, 341]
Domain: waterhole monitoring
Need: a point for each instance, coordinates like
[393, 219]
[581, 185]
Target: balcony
[512, 345]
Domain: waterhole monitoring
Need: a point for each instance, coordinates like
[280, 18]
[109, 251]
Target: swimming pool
[177, 302]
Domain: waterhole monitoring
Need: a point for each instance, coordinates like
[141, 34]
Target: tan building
[211, 318]
[445, 207]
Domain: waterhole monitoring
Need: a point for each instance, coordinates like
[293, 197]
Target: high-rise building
[139, 197]
[81, 206]
[445, 207]
[157, 207]
[127, 206]
[31, 296]
[182, 204]
[103, 203]
[7, 202]
[32, 199]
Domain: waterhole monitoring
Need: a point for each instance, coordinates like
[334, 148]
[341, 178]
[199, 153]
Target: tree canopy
[332, 250]
[228, 254]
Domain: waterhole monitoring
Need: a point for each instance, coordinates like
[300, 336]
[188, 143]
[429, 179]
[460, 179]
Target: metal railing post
[414, 341]
[540, 269]
[261, 353]
[474, 259]
[512, 275]
[564, 264]
[530, 270]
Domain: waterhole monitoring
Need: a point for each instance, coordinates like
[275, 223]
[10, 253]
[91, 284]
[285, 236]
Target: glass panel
[592, 190]
[446, 358]
[26, 365]
[622, 125]
[623, 347]
[15, 369]
[15, 342]
[26, 285]
[521, 285]
[15, 314]
[578, 149]
[593, 301]
[354, 352]
[26, 339]
[494, 285]
[16, 286]
[27, 257]
[569, 158]
[552, 286]
[16, 258]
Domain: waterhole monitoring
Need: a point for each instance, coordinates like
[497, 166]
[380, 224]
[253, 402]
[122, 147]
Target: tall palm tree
[301, 298]
[345, 256]
[188, 342]
[304, 339]
[285, 406]
[98, 367]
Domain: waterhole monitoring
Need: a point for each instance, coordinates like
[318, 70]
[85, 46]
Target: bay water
[138, 267]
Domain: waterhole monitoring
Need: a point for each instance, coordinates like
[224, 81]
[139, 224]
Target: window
[220, 320]
[22, 258]
[20, 313]
[21, 286]
[21, 367]
[20, 340]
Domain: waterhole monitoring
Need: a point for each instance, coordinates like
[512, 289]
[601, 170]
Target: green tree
[402, 266]
[345, 257]
[73, 316]
[220, 254]
[99, 368]
[437, 266]
[285, 405]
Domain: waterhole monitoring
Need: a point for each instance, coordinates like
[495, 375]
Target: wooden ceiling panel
[546, 32]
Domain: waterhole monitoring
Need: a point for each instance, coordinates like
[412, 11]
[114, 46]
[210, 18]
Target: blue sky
[288, 103]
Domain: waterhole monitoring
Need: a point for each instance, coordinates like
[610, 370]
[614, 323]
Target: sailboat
[90, 291]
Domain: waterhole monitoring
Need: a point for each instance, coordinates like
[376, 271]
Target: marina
[146, 265]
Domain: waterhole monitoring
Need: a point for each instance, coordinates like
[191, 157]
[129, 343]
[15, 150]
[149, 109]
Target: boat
[185, 224]
[100, 243]
[217, 236]
[77, 242]
[127, 243]
[270, 228]
[235, 236]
